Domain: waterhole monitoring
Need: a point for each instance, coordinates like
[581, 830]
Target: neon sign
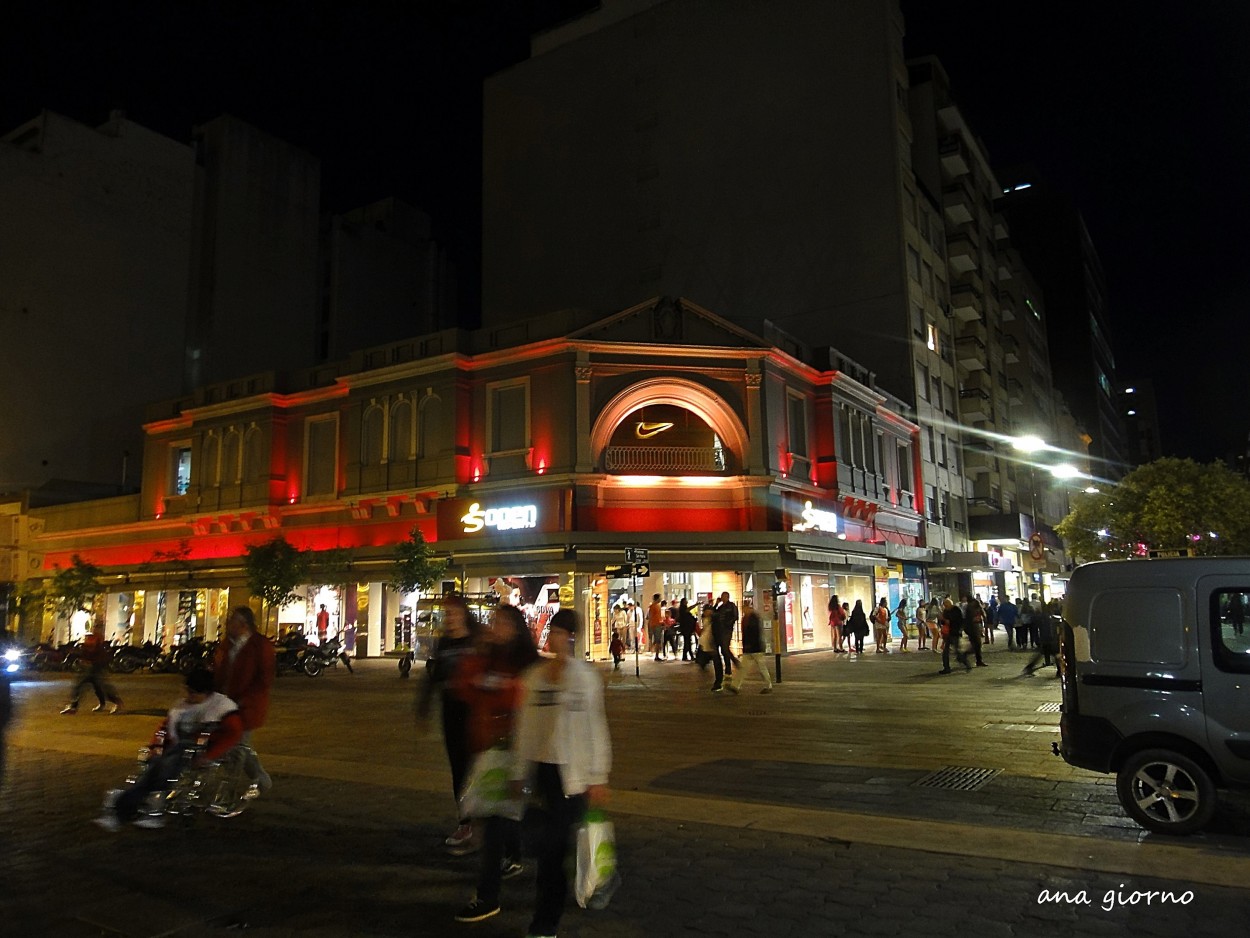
[501, 519]
[814, 519]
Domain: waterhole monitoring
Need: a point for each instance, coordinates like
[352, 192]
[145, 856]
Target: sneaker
[717, 690]
[115, 706]
[98, 708]
[460, 836]
[945, 671]
[476, 911]
[982, 664]
[109, 822]
[766, 690]
[69, 711]
[151, 822]
[510, 868]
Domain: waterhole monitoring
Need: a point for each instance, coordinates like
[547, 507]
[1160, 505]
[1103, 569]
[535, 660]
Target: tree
[73, 588]
[1167, 504]
[415, 566]
[275, 570]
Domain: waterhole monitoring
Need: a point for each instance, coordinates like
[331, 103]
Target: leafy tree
[415, 565]
[73, 588]
[274, 571]
[1169, 503]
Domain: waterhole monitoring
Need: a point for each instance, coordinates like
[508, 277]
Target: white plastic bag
[486, 790]
[597, 878]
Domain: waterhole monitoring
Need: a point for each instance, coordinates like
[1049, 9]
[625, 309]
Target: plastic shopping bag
[597, 877]
[486, 791]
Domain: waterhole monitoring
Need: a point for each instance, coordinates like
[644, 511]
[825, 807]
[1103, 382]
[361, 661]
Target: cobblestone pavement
[792, 814]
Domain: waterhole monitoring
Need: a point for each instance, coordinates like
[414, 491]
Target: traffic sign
[642, 569]
[1037, 547]
[637, 554]
[616, 570]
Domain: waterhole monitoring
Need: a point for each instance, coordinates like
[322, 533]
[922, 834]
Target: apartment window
[937, 392]
[942, 451]
[929, 436]
[509, 414]
[950, 399]
[922, 381]
[913, 263]
[796, 411]
[906, 480]
[931, 338]
[928, 278]
[179, 467]
[931, 503]
[917, 319]
[320, 456]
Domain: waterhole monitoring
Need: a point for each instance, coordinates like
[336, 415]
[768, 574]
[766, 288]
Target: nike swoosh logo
[644, 431]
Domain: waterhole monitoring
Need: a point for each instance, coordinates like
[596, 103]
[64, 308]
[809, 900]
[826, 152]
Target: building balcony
[970, 352]
[954, 155]
[957, 204]
[975, 404]
[1015, 391]
[1000, 228]
[1011, 349]
[961, 254]
[966, 302]
[977, 463]
[949, 117]
[664, 460]
[1007, 308]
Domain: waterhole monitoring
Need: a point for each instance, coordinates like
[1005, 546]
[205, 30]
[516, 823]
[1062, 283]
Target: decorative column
[583, 371]
[755, 421]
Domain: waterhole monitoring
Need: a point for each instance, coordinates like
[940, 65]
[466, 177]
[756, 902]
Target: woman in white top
[562, 754]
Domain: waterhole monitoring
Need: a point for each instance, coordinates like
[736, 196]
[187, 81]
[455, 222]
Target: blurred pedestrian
[752, 650]
[454, 644]
[1008, 614]
[974, 626]
[655, 627]
[243, 669]
[97, 654]
[724, 620]
[953, 633]
[837, 619]
[1047, 643]
[686, 627]
[489, 683]
[562, 755]
[933, 622]
[857, 627]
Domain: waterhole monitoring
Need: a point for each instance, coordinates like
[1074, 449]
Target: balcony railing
[664, 460]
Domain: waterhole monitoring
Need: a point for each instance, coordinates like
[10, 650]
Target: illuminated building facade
[532, 456]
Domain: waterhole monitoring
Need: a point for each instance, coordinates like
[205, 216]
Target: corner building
[532, 456]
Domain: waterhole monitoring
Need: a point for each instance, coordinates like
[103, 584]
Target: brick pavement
[348, 842]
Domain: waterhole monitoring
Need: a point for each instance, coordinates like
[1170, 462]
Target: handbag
[487, 790]
[596, 877]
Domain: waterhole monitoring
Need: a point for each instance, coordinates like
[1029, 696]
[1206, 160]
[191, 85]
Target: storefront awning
[964, 561]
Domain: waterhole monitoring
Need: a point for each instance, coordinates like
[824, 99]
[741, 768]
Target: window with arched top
[230, 458]
[401, 431]
[665, 439]
[253, 456]
[210, 460]
[430, 438]
[371, 433]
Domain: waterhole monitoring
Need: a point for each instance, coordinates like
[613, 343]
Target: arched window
[209, 459]
[401, 431]
[253, 456]
[371, 427]
[230, 467]
[430, 441]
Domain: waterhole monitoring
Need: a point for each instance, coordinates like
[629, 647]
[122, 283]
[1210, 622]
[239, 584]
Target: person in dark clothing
[1008, 615]
[752, 650]
[1022, 624]
[953, 628]
[457, 640]
[857, 626]
[974, 626]
[686, 628]
[724, 621]
[97, 655]
[1047, 643]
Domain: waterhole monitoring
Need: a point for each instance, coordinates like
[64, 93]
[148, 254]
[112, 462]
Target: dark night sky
[1139, 110]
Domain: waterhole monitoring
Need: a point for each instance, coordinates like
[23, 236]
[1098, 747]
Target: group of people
[964, 626]
[227, 704]
[497, 693]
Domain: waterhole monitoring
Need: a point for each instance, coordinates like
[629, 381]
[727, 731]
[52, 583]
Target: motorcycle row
[299, 657]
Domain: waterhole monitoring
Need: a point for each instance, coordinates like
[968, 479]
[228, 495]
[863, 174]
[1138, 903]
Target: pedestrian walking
[724, 620]
[617, 649]
[1047, 643]
[952, 632]
[991, 618]
[707, 644]
[562, 755]
[752, 650]
[455, 642]
[97, 654]
[837, 620]
[881, 626]
[974, 626]
[686, 627]
[857, 627]
[1008, 615]
[904, 623]
[488, 681]
[933, 622]
[244, 667]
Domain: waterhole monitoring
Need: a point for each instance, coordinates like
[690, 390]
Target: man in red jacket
[244, 670]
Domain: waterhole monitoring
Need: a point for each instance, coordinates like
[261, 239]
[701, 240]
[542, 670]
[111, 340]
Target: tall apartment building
[755, 158]
[95, 246]
[1051, 234]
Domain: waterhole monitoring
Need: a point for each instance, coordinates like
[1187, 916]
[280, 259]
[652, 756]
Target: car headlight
[12, 655]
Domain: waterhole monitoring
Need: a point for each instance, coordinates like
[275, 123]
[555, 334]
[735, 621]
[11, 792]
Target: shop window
[371, 427]
[179, 468]
[401, 431]
[508, 416]
[796, 409]
[230, 458]
[320, 451]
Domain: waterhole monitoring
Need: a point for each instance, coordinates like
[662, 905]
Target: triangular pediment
[670, 321]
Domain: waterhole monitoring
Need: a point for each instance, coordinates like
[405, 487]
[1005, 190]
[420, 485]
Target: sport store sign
[469, 518]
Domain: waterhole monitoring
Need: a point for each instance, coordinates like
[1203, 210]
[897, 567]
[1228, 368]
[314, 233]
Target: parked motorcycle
[288, 652]
[316, 658]
[49, 657]
[130, 658]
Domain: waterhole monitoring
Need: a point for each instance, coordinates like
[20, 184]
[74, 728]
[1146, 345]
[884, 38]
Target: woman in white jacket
[562, 755]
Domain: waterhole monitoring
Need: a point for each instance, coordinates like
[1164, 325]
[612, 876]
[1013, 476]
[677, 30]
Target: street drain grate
[958, 778]
[1050, 708]
[757, 713]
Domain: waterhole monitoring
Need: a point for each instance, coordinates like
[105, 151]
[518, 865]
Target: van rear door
[1224, 640]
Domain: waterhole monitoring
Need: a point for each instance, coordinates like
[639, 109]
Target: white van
[1155, 668]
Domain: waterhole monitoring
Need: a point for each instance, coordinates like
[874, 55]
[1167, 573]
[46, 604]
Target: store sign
[816, 519]
[995, 557]
[510, 518]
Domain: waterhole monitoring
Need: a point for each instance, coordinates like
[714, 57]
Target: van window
[1142, 626]
[1229, 644]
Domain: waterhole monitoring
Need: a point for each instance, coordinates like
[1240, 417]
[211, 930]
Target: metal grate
[1050, 708]
[958, 778]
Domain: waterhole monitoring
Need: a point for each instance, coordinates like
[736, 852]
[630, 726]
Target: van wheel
[1166, 792]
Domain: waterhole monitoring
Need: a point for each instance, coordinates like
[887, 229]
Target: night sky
[1139, 110]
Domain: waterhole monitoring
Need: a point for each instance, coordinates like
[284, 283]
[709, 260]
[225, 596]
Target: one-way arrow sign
[642, 569]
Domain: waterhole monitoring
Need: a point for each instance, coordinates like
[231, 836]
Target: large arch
[680, 392]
